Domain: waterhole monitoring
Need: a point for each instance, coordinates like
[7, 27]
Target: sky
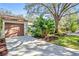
[15, 8]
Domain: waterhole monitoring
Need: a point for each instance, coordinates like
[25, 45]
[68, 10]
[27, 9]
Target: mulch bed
[50, 38]
[3, 48]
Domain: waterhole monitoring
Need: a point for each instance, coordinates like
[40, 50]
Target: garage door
[13, 29]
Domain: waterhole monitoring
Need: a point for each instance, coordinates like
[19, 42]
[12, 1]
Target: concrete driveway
[29, 46]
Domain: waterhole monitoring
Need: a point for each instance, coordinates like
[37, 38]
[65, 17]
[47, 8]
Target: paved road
[29, 46]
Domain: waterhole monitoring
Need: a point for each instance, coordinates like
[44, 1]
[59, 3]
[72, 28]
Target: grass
[67, 41]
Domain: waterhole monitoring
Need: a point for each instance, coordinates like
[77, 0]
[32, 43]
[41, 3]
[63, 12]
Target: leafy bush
[68, 41]
[73, 26]
[69, 23]
[42, 27]
[73, 23]
[1, 23]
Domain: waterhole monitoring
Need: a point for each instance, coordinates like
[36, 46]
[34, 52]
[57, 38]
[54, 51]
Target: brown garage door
[13, 29]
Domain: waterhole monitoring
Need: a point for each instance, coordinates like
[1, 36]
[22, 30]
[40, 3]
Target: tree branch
[67, 9]
[58, 8]
[48, 8]
[64, 7]
[54, 7]
[71, 13]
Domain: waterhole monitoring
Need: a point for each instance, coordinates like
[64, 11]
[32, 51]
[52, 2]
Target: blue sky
[16, 8]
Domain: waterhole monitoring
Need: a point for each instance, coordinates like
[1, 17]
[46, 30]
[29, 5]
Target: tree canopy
[5, 12]
[57, 10]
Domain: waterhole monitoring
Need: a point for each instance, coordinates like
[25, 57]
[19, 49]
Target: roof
[12, 18]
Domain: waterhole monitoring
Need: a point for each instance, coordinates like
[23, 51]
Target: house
[13, 26]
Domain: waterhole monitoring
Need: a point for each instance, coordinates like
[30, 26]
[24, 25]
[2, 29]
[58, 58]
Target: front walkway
[29, 46]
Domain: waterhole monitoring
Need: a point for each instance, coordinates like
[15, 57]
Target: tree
[57, 10]
[5, 12]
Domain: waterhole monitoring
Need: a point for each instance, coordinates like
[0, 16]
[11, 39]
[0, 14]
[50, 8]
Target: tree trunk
[57, 19]
[56, 28]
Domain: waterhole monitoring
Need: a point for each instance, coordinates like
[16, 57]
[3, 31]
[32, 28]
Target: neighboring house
[13, 26]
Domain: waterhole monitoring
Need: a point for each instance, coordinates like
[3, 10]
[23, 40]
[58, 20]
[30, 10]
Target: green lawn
[67, 41]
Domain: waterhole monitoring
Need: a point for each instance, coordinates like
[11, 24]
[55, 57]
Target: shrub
[73, 26]
[69, 23]
[1, 23]
[42, 27]
[69, 41]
